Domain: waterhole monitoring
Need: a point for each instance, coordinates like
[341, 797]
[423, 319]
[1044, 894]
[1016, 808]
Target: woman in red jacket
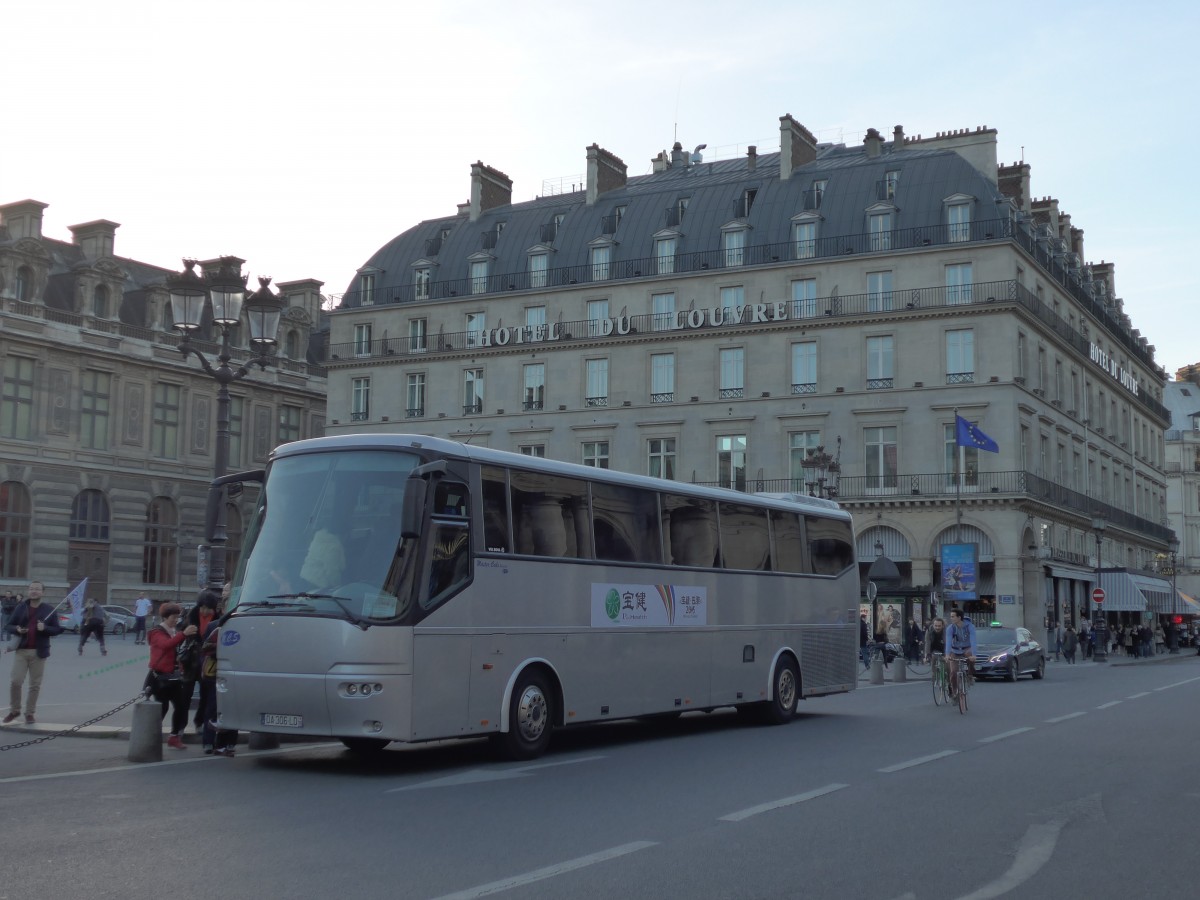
[163, 680]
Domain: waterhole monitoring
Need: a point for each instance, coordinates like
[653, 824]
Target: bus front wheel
[529, 718]
[785, 692]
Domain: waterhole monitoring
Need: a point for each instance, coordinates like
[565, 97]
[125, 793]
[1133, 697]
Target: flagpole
[959, 463]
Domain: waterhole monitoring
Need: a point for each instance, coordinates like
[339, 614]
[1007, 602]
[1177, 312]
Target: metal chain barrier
[73, 729]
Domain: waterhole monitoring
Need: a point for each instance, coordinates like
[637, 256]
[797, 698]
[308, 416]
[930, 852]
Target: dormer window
[539, 266]
[818, 192]
[600, 256]
[804, 235]
[879, 228]
[733, 242]
[366, 289]
[958, 217]
[422, 279]
[664, 253]
[742, 209]
[479, 275]
[24, 284]
[100, 301]
[891, 181]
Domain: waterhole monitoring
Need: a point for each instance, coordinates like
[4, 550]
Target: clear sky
[303, 135]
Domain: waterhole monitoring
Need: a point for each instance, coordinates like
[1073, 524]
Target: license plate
[280, 721]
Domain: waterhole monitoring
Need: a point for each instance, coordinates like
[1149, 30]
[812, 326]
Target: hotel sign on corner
[648, 605]
[1127, 379]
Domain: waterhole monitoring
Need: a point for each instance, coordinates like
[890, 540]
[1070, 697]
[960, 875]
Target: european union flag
[970, 436]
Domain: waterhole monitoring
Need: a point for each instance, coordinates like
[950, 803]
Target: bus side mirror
[412, 512]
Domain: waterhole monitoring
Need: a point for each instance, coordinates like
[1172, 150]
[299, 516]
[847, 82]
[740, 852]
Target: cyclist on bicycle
[935, 639]
[960, 645]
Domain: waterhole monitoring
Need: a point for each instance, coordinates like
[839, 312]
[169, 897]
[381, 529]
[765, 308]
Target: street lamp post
[225, 291]
[821, 471]
[1100, 628]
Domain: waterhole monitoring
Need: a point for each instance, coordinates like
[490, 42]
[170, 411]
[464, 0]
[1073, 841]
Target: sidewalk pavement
[77, 688]
[864, 675]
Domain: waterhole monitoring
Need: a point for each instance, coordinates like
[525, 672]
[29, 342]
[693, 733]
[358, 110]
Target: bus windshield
[325, 540]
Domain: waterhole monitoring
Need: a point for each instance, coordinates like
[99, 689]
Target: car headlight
[999, 657]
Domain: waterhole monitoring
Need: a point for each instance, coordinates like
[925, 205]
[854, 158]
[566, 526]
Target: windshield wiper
[305, 595]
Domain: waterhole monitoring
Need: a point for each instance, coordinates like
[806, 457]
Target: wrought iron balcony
[732, 393]
[663, 397]
[414, 412]
[596, 401]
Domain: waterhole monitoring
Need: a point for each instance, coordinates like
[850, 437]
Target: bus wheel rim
[532, 713]
[787, 688]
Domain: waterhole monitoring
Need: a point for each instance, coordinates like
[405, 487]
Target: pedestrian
[92, 621]
[882, 626]
[164, 680]
[1058, 636]
[1070, 643]
[7, 605]
[1131, 641]
[1085, 639]
[33, 623]
[916, 638]
[217, 740]
[864, 635]
[1146, 636]
[202, 614]
[1160, 639]
[141, 609]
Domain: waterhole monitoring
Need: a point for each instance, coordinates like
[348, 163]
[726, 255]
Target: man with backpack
[92, 621]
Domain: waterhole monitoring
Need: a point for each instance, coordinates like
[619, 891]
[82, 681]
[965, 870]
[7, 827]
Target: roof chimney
[677, 154]
[1013, 182]
[897, 138]
[489, 188]
[797, 146]
[873, 142]
[605, 172]
[95, 239]
[752, 157]
[23, 219]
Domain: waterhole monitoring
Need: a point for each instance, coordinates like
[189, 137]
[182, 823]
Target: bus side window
[449, 567]
[549, 515]
[495, 510]
[690, 531]
[788, 529]
[450, 499]
[830, 545]
[745, 538]
[625, 524]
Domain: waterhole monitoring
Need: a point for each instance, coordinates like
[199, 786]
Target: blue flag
[970, 436]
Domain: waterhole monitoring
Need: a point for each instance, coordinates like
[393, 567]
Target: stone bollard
[899, 669]
[261, 740]
[876, 669]
[145, 735]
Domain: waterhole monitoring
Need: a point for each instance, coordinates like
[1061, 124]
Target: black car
[1008, 652]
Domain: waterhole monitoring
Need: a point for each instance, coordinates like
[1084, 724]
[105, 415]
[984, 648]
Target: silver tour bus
[408, 588]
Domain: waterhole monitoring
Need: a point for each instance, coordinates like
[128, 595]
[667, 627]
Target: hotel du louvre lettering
[695, 318]
[1109, 365]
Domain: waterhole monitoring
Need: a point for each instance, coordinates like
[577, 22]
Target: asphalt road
[1079, 785]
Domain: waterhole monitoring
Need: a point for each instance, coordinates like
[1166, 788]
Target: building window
[958, 284]
[597, 315]
[734, 245]
[100, 301]
[414, 395]
[472, 392]
[663, 309]
[732, 362]
[479, 276]
[164, 430]
[804, 236]
[289, 424]
[236, 406]
[15, 526]
[879, 291]
[804, 367]
[418, 335]
[159, 548]
[960, 356]
[24, 284]
[476, 325]
[801, 445]
[362, 340]
[94, 406]
[601, 257]
[964, 463]
[664, 255]
[662, 378]
[880, 362]
[958, 219]
[292, 345]
[891, 181]
[535, 387]
[880, 227]
[804, 298]
[89, 516]
[535, 321]
[360, 399]
[16, 402]
[597, 382]
[660, 462]
[366, 289]
[817, 193]
[879, 445]
[539, 264]
[535, 450]
[422, 279]
[731, 461]
[595, 453]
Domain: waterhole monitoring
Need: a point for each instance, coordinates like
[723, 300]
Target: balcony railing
[596, 401]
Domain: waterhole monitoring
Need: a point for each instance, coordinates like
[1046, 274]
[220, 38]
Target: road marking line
[1005, 734]
[563, 762]
[778, 804]
[1135, 696]
[1074, 715]
[1109, 703]
[920, 761]
[506, 884]
[1034, 851]
[1176, 684]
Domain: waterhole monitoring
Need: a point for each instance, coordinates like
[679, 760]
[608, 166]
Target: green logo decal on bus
[612, 604]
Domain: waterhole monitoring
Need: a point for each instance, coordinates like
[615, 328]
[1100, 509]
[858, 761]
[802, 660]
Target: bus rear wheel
[785, 692]
[529, 718]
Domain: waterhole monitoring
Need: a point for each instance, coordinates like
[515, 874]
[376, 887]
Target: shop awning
[1124, 592]
[1076, 573]
[1185, 605]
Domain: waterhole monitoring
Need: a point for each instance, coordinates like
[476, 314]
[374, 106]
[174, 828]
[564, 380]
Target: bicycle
[962, 684]
[941, 680]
